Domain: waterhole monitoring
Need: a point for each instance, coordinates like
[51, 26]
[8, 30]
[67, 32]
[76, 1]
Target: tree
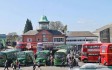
[57, 25]
[28, 26]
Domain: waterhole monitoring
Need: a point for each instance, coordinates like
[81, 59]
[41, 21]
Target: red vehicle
[27, 46]
[106, 54]
[90, 52]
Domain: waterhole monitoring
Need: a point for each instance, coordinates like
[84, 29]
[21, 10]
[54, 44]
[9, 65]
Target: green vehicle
[60, 57]
[25, 57]
[9, 54]
[42, 57]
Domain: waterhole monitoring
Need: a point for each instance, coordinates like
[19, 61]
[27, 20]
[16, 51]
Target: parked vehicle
[25, 57]
[89, 66]
[40, 46]
[106, 54]
[60, 57]
[23, 46]
[42, 57]
[90, 52]
[9, 54]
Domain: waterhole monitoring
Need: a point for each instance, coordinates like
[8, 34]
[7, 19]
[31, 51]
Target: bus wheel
[85, 60]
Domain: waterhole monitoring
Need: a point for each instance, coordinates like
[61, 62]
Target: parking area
[58, 67]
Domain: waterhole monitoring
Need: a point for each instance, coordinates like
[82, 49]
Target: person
[70, 62]
[6, 65]
[76, 61]
[99, 59]
[14, 65]
[68, 56]
[34, 65]
[39, 65]
[51, 60]
[18, 64]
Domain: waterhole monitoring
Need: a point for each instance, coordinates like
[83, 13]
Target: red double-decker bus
[27, 46]
[90, 52]
[106, 54]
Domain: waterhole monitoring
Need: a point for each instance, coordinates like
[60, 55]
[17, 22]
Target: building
[104, 33]
[45, 35]
[80, 37]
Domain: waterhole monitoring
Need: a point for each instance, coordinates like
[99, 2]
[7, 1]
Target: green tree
[28, 26]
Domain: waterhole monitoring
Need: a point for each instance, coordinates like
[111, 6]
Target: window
[45, 39]
[103, 48]
[29, 39]
[59, 40]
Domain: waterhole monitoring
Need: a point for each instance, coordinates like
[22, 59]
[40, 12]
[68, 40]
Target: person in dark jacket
[34, 65]
[6, 65]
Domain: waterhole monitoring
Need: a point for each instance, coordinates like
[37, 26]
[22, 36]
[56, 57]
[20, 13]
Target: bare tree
[57, 25]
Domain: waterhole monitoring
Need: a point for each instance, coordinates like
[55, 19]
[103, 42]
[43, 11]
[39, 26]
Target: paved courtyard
[42, 68]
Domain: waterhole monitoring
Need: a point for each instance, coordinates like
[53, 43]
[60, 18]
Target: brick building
[44, 34]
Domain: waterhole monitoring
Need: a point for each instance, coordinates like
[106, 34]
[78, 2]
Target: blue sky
[79, 15]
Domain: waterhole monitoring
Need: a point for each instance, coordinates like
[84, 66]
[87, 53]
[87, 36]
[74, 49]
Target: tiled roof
[31, 32]
[55, 32]
[80, 34]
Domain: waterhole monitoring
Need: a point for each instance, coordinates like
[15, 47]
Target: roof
[102, 28]
[55, 32]
[31, 32]
[45, 51]
[34, 32]
[2, 35]
[62, 50]
[28, 51]
[43, 19]
[81, 34]
[10, 50]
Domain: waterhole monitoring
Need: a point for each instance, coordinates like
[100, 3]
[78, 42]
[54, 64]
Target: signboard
[93, 50]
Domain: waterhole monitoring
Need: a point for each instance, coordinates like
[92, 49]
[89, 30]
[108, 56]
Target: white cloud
[85, 21]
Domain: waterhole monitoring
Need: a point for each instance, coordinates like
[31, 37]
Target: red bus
[90, 52]
[106, 54]
[27, 46]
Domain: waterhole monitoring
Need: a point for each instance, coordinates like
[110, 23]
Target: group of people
[14, 65]
[71, 60]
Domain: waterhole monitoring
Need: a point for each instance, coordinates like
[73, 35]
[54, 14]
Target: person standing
[99, 59]
[14, 65]
[70, 62]
[18, 65]
[6, 65]
[34, 65]
[51, 60]
[39, 65]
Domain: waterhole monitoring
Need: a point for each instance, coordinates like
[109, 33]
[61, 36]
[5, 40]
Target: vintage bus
[42, 57]
[23, 46]
[60, 57]
[106, 54]
[90, 52]
[9, 54]
[25, 57]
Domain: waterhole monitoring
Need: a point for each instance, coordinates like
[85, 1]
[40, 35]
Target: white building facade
[80, 37]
